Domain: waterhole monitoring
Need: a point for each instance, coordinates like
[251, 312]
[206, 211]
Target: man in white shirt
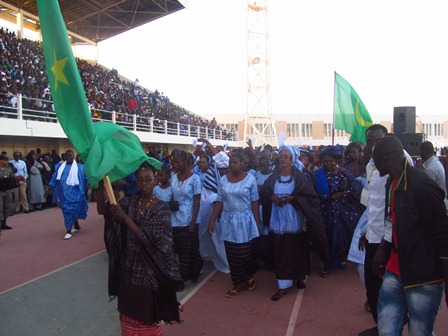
[432, 165]
[20, 197]
[374, 197]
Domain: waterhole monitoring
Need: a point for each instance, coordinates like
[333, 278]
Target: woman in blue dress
[287, 195]
[237, 203]
[202, 167]
[186, 188]
[339, 194]
[163, 189]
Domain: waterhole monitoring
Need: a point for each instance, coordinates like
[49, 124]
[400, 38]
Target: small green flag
[105, 148]
[350, 114]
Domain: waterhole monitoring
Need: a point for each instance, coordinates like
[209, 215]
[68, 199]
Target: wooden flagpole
[109, 190]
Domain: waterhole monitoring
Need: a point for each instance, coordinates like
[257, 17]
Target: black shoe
[279, 294]
[369, 332]
[6, 227]
[77, 226]
[300, 284]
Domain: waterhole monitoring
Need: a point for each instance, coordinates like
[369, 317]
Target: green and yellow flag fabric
[350, 114]
[104, 147]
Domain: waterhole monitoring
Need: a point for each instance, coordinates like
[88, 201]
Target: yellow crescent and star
[58, 70]
[359, 117]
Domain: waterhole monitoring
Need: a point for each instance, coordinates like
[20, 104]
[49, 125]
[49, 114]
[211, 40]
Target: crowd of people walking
[246, 208]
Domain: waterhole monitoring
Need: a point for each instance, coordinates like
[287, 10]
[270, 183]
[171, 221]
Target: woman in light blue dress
[211, 246]
[202, 167]
[237, 203]
[163, 189]
[282, 194]
[186, 188]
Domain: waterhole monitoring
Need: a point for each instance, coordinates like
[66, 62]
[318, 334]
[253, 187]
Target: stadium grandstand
[26, 109]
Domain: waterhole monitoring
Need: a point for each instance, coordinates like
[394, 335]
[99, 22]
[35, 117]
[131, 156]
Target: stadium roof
[98, 20]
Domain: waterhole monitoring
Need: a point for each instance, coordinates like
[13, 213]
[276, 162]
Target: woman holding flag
[143, 270]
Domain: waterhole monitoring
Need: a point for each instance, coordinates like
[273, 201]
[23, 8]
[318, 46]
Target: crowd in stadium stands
[23, 71]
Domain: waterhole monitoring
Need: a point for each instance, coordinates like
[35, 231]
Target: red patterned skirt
[131, 327]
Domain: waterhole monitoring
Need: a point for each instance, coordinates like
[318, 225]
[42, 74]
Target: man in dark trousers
[373, 198]
[413, 255]
[7, 182]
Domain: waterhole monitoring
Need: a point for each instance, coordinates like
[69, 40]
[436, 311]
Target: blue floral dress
[340, 216]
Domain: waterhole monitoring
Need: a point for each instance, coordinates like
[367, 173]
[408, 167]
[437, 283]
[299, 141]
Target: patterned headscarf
[333, 151]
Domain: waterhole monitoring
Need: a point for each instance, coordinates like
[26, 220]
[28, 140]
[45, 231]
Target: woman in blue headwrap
[339, 194]
[288, 198]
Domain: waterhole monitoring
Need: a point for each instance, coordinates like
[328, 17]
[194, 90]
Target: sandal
[251, 284]
[278, 295]
[231, 293]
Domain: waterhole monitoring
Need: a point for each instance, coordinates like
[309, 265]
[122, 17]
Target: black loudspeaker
[404, 119]
[411, 142]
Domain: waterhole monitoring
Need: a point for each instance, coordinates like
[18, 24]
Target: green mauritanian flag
[105, 148]
[350, 114]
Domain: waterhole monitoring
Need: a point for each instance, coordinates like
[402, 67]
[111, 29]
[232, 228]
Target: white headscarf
[295, 153]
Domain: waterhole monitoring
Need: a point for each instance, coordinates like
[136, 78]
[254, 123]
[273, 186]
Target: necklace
[142, 209]
[287, 181]
[179, 181]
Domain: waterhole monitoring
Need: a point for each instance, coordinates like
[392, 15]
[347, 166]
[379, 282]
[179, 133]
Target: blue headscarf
[295, 153]
[333, 151]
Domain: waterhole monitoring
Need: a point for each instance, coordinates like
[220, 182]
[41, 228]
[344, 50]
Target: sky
[394, 53]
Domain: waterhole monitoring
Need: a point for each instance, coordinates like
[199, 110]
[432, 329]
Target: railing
[25, 108]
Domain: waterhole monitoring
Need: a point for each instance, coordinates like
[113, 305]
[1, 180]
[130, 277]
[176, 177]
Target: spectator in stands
[24, 68]
[213, 123]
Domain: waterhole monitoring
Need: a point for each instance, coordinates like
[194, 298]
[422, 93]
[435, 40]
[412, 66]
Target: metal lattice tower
[258, 123]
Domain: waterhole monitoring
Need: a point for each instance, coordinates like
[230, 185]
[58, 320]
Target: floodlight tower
[259, 124]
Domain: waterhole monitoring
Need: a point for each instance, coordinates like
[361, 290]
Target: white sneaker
[74, 230]
[67, 236]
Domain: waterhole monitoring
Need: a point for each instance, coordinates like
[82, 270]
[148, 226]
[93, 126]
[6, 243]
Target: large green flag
[350, 114]
[105, 148]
